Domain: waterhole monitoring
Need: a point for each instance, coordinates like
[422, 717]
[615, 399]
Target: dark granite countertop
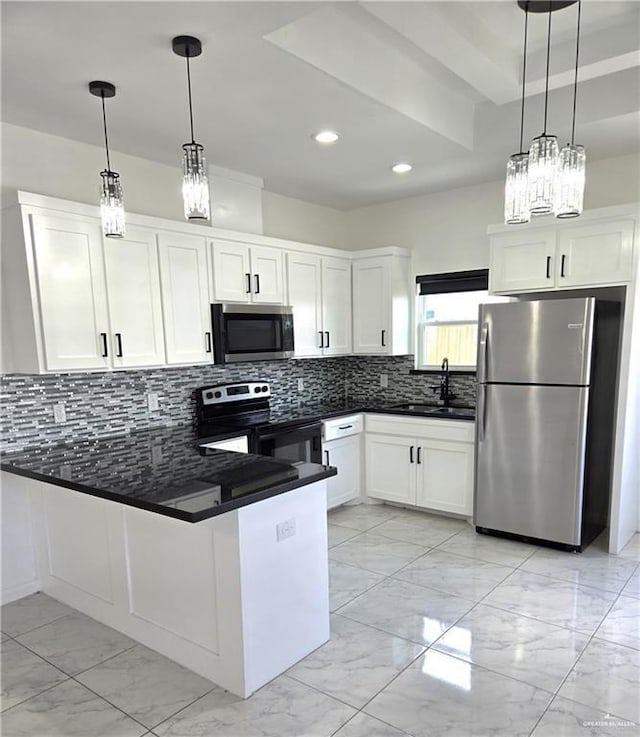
[162, 471]
[317, 412]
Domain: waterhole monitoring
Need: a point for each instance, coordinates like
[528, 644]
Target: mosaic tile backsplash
[113, 403]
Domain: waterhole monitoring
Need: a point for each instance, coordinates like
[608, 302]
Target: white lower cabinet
[342, 449]
[343, 454]
[420, 462]
[390, 473]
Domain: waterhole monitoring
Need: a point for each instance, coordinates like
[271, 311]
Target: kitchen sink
[429, 409]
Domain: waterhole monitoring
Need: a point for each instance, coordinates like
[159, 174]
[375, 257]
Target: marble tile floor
[436, 632]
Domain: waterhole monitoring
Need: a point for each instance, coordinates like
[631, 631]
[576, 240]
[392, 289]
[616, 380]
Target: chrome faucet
[445, 394]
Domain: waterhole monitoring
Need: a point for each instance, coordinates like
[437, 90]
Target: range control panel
[235, 392]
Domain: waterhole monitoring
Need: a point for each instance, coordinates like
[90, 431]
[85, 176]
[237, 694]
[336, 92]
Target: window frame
[476, 280]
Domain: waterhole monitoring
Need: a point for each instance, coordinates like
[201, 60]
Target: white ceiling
[433, 83]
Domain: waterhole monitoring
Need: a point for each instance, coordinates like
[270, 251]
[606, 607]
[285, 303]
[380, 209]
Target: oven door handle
[291, 430]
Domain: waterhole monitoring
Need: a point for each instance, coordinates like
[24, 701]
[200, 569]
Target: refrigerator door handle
[480, 411]
[482, 354]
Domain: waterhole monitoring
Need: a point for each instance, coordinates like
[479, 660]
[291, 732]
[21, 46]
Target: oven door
[294, 444]
[251, 332]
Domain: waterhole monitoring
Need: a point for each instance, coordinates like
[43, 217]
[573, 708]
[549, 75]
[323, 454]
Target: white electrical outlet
[153, 401]
[384, 380]
[300, 385]
[286, 529]
[59, 413]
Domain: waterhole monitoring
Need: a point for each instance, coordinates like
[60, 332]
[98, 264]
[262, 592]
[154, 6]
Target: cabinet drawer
[342, 427]
[456, 430]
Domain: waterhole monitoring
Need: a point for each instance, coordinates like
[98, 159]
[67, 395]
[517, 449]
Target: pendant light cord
[524, 73]
[190, 107]
[546, 85]
[575, 81]
[104, 122]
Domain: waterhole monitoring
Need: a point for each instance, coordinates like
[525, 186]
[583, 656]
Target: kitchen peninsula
[217, 560]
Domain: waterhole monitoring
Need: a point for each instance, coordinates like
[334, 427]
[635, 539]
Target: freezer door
[530, 449]
[540, 342]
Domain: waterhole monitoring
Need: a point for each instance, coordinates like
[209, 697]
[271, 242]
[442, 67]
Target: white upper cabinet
[319, 290]
[73, 300]
[267, 275]
[243, 273]
[590, 254]
[336, 306]
[522, 261]
[185, 298]
[231, 272]
[596, 253]
[135, 307]
[304, 294]
[382, 302]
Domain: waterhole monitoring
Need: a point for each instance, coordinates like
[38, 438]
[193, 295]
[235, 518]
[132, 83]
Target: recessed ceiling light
[401, 168]
[326, 137]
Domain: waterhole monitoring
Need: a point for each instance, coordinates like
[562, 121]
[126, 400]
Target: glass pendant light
[543, 156]
[516, 191]
[571, 170]
[111, 204]
[195, 182]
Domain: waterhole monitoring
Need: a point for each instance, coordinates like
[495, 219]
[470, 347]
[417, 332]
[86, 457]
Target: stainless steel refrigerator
[546, 394]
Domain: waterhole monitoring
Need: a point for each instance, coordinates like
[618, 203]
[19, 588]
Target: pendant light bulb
[516, 190]
[571, 170]
[111, 202]
[195, 182]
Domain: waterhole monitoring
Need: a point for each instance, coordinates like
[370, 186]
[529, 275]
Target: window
[447, 318]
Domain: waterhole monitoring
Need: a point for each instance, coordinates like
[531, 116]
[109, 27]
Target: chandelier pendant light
[111, 203]
[571, 169]
[543, 156]
[195, 182]
[516, 191]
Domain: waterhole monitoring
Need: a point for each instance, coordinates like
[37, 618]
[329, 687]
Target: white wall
[447, 231]
[59, 167]
[286, 217]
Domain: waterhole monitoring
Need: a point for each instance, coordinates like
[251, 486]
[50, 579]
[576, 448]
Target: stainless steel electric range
[225, 409]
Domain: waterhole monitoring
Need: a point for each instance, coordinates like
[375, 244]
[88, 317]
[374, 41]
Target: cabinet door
[267, 275]
[304, 286]
[520, 262]
[371, 306]
[185, 298]
[73, 299]
[445, 476]
[135, 306]
[389, 472]
[336, 306]
[343, 454]
[595, 254]
[231, 272]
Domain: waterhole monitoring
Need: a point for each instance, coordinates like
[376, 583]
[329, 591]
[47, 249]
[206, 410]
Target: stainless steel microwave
[251, 332]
